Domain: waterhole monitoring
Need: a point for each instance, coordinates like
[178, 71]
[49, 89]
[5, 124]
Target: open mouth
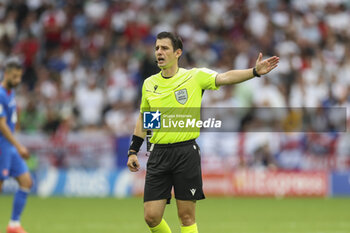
[160, 59]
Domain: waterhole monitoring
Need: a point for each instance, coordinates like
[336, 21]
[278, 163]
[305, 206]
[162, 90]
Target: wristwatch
[132, 153]
[255, 73]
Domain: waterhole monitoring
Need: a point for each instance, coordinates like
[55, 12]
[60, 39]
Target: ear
[178, 53]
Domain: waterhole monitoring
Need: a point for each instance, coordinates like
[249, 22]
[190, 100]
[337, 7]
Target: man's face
[165, 54]
[13, 77]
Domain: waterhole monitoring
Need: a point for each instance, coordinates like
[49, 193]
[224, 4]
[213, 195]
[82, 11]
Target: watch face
[132, 153]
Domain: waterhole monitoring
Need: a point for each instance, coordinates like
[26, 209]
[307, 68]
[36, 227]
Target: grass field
[214, 215]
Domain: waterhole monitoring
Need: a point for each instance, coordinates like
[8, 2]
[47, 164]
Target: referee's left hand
[265, 66]
[133, 163]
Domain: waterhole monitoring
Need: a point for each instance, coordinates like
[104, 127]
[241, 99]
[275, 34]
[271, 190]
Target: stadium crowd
[85, 62]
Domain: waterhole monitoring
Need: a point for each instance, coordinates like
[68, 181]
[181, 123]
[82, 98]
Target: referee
[175, 157]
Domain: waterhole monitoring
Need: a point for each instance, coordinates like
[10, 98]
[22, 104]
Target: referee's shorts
[175, 165]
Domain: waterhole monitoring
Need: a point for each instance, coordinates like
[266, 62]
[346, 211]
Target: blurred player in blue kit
[12, 152]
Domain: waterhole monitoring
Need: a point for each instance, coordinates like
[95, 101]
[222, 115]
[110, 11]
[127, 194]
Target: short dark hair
[13, 63]
[175, 39]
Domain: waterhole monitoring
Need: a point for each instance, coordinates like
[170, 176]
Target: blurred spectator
[28, 48]
[119, 119]
[53, 19]
[32, 118]
[263, 158]
[89, 100]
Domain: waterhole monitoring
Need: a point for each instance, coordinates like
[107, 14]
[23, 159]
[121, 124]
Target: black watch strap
[132, 153]
[255, 73]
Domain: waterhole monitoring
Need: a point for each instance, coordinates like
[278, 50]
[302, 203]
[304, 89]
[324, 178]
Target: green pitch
[214, 215]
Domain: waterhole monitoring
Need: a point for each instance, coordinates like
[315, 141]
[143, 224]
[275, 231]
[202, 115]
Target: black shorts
[175, 165]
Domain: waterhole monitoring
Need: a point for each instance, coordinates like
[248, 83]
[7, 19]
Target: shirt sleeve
[144, 102]
[206, 78]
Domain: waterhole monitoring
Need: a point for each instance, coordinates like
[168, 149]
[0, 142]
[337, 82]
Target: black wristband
[255, 73]
[136, 143]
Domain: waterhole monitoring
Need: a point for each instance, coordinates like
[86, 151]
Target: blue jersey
[8, 109]
[11, 163]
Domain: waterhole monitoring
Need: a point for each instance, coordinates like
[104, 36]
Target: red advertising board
[247, 182]
[279, 183]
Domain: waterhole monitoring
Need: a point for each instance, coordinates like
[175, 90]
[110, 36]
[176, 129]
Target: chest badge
[181, 96]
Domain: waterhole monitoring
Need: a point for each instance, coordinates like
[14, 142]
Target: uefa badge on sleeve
[151, 120]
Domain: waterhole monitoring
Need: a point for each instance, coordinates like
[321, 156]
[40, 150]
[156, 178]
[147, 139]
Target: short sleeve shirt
[182, 91]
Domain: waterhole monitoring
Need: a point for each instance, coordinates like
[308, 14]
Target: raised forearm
[234, 76]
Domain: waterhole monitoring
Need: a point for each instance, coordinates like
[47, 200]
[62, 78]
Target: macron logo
[151, 120]
[193, 191]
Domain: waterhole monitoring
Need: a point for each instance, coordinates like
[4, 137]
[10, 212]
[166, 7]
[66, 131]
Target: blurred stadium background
[85, 62]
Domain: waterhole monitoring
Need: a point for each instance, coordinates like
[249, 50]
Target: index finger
[274, 58]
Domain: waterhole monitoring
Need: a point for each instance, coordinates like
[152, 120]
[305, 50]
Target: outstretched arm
[237, 76]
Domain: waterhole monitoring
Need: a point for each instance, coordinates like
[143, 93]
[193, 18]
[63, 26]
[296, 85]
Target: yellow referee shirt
[177, 94]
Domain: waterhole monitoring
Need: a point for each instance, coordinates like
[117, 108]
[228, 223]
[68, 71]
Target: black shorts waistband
[176, 144]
